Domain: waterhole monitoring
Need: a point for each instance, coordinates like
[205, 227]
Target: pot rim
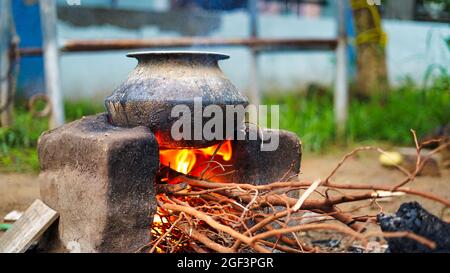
[178, 53]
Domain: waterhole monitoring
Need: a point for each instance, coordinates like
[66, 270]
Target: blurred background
[344, 72]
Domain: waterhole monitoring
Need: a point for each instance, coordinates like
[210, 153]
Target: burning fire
[184, 160]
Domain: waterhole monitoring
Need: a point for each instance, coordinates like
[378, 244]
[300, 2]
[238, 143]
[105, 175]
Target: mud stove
[100, 172]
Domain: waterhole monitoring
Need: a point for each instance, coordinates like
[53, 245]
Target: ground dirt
[17, 192]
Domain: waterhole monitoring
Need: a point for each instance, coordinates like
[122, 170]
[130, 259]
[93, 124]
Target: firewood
[241, 217]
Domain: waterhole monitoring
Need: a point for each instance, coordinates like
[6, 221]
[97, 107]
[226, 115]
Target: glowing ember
[184, 160]
[174, 241]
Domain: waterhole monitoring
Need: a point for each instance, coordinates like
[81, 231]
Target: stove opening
[198, 162]
[212, 163]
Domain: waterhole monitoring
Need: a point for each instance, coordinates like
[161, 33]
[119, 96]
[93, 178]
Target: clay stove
[100, 172]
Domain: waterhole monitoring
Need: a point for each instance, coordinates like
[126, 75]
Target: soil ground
[17, 191]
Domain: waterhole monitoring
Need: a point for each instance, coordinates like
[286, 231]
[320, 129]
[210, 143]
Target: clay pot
[164, 79]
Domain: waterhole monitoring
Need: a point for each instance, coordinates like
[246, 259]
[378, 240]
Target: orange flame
[224, 151]
[184, 160]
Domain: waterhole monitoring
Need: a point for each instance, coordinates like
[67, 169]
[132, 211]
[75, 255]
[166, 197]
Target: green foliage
[18, 142]
[404, 109]
[78, 109]
[19, 160]
[310, 115]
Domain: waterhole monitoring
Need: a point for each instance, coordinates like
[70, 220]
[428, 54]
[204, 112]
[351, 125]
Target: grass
[18, 142]
[407, 108]
[311, 117]
[309, 114]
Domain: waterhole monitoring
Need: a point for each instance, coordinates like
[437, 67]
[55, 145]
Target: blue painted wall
[26, 17]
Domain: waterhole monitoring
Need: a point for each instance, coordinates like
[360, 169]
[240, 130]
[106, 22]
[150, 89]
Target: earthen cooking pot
[163, 79]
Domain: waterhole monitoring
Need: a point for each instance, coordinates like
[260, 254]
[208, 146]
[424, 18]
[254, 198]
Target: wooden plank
[51, 61]
[33, 223]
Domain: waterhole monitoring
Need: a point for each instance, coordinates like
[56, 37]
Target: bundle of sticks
[197, 215]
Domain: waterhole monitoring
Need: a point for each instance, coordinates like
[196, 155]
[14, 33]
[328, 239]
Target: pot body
[164, 80]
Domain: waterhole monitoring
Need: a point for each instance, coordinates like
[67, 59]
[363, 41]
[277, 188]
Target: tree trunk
[371, 55]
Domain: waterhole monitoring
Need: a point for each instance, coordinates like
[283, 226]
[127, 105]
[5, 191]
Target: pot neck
[189, 58]
[196, 61]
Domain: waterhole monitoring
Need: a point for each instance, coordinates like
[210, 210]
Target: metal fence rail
[259, 44]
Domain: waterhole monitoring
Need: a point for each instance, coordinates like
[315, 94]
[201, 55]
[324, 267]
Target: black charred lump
[414, 218]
